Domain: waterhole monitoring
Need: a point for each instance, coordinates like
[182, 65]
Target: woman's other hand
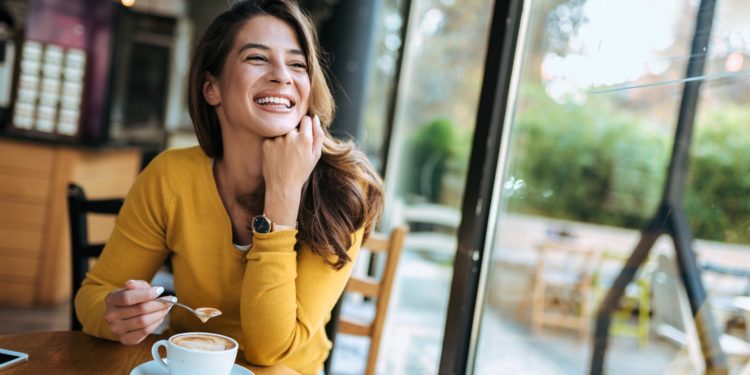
[131, 312]
[288, 161]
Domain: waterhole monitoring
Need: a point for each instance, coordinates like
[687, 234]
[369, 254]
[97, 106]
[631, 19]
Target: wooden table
[73, 352]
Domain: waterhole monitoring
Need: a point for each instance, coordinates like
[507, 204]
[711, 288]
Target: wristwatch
[262, 224]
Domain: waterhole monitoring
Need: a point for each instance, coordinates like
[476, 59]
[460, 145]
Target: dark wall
[201, 14]
[347, 36]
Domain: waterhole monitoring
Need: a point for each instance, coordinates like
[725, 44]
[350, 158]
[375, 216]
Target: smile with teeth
[274, 101]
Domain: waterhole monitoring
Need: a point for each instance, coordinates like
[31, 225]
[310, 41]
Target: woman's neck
[239, 175]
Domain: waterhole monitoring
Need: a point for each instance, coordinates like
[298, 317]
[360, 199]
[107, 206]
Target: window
[589, 142]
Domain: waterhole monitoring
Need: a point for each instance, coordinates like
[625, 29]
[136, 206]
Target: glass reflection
[591, 132]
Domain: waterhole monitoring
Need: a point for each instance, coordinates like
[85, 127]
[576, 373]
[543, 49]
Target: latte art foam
[203, 342]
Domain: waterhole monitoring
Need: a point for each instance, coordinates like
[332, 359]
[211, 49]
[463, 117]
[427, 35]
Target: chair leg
[537, 307]
[644, 314]
[525, 303]
[583, 319]
[372, 360]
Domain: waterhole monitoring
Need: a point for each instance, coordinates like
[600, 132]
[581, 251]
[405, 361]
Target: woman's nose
[280, 74]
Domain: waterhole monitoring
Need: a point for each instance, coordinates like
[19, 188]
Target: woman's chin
[277, 131]
[275, 126]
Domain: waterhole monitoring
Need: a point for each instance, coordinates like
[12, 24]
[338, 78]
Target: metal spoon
[203, 313]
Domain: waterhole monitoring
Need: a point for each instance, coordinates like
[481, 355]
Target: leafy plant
[597, 163]
[716, 200]
[429, 151]
[589, 163]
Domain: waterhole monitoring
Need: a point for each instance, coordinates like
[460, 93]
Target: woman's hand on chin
[288, 161]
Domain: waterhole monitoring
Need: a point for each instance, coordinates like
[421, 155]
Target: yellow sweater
[275, 301]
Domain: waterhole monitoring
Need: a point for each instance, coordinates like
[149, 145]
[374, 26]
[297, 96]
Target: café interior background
[91, 90]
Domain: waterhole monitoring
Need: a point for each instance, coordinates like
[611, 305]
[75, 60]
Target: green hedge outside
[718, 196]
[602, 164]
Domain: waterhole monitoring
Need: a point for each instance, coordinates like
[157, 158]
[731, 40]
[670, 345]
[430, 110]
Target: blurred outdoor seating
[432, 228]
[562, 293]
[724, 284]
[674, 321]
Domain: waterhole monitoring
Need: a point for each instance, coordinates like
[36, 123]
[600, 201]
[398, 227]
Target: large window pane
[436, 105]
[438, 97]
[588, 150]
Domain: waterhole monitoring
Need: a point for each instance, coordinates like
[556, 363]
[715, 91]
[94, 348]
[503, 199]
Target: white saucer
[153, 368]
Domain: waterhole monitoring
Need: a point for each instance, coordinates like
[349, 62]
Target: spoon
[203, 313]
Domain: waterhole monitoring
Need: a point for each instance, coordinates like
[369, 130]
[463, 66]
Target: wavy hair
[343, 192]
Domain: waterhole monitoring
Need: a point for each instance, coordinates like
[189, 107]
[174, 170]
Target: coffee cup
[197, 353]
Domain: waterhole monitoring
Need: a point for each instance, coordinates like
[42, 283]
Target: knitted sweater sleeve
[287, 295]
[135, 250]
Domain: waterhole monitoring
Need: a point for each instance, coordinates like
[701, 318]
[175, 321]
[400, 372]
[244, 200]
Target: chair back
[562, 279]
[82, 251]
[567, 263]
[726, 280]
[378, 289]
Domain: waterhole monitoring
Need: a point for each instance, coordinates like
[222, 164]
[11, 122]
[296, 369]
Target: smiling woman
[263, 220]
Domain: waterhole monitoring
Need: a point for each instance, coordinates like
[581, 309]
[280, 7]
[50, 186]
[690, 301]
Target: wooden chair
[723, 283]
[674, 319]
[377, 289]
[82, 251]
[562, 288]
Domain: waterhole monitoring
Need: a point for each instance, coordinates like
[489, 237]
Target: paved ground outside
[414, 328]
[413, 337]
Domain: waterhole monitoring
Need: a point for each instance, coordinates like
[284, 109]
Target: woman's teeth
[271, 100]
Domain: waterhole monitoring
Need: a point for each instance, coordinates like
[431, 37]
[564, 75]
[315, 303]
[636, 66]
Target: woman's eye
[255, 58]
[298, 65]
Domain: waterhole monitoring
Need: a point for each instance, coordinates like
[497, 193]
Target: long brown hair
[343, 193]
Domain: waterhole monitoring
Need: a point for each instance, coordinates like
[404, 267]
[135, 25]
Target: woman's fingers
[137, 335]
[139, 317]
[288, 160]
[318, 136]
[136, 284]
[305, 128]
[130, 297]
[132, 308]
[142, 321]
[143, 309]
[312, 135]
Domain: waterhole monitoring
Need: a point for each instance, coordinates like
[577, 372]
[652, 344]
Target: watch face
[261, 224]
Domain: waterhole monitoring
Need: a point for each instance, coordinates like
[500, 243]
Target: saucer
[153, 368]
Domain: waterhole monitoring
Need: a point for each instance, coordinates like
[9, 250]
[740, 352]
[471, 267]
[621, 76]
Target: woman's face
[264, 86]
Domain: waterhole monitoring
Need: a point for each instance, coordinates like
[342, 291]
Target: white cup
[197, 353]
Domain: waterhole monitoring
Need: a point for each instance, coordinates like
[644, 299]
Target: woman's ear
[211, 90]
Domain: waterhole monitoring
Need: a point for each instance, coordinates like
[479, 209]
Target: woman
[263, 221]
